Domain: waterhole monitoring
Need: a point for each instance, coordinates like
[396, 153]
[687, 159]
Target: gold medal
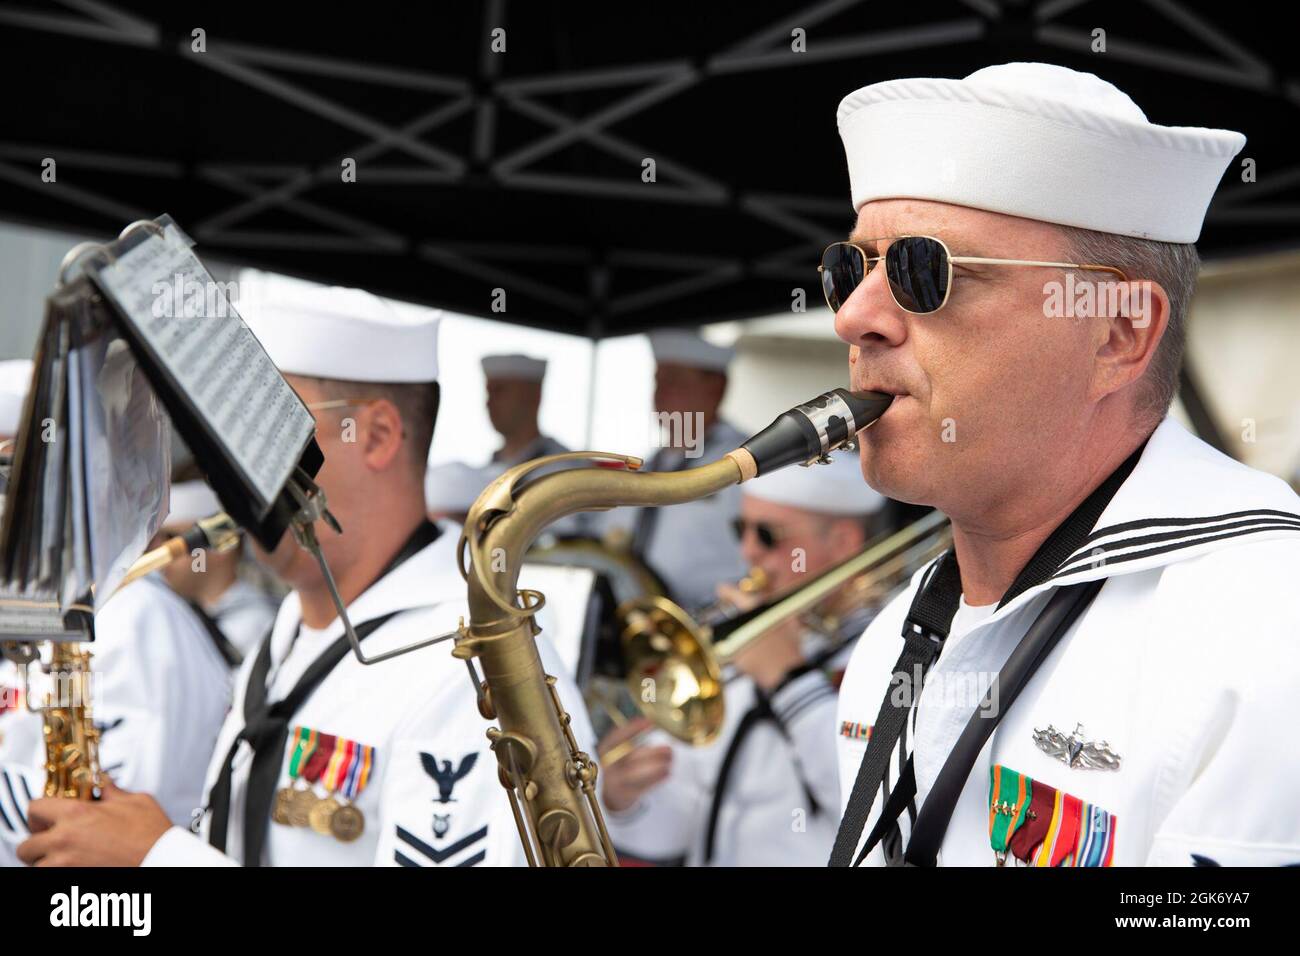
[293, 803]
[300, 806]
[280, 809]
[347, 823]
[320, 815]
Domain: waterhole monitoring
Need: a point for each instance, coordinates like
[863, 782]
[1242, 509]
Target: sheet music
[217, 362]
[126, 461]
[45, 541]
[77, 573]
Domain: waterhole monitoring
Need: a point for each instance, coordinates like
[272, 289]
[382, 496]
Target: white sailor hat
[348, 334]
[190, 501]
[1037, 141]
[834, 489]
[451, 488]
[522, 368]
[15, 380]
[678, 347]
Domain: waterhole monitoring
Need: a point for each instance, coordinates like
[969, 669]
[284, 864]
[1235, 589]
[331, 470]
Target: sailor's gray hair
[1174, 266]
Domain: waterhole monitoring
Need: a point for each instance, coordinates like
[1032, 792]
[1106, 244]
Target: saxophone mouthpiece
[811, 431]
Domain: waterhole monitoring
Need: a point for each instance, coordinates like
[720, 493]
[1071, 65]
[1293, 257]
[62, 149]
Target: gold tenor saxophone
[550, 782]
[71, 737]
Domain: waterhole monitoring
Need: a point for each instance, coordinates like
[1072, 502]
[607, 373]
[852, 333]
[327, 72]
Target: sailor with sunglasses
[764, 792]
[1098, 672]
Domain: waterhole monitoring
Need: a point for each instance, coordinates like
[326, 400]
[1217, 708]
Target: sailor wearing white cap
[235, 611]
[1107, 651]
[689, 546]
[765, 792]
[324, 761]
[514, 394]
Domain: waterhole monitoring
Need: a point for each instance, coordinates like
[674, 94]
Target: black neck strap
[925, 629]
[229, 653]
[1063, 608]
[760, 712]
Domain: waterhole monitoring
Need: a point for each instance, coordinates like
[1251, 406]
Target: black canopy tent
[522, 170]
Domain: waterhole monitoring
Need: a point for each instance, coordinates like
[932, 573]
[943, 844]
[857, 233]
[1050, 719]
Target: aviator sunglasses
[768, 535]
[919, 270]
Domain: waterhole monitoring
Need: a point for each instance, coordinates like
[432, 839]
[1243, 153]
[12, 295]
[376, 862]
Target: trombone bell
[671, 674]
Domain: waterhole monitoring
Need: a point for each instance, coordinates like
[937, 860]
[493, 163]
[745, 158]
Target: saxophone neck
[512, 511]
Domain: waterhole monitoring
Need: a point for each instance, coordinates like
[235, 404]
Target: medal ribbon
[304, 745]
[349, 768]
[311, 771]
[1096, 840]
[1009, 796]
[1038, 819]
[360, 775]
[1058, 845]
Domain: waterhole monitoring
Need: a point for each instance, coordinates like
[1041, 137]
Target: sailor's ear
[1132, 317]
[383, 433]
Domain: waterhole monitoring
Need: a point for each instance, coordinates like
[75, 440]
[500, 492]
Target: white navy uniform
[160, 692]
[691, 546]
[244, 613]
[780, 795]
[1185, 666]
[433, 796]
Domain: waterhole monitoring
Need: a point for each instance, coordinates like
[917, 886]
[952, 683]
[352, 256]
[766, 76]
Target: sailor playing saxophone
[322, 760]
[159, 693]
[764, 793]
[1143, 717]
